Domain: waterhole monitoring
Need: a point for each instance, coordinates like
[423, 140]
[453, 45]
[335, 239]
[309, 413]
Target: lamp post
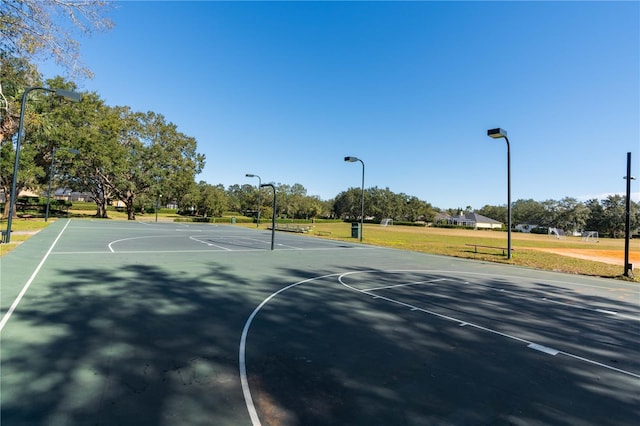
[53, 154]
[353, 160]
[627, 212]
[158, 198]
[273, 217]
[498, 134]
[259, 205]
[67, 94]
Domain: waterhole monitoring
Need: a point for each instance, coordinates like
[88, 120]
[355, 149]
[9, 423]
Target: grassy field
[530, 250]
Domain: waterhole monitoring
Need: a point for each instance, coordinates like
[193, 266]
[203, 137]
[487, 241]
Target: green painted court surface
[131, 323]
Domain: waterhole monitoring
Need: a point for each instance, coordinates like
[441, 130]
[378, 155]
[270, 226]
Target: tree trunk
[5, 212]
[131, 213]
[101, 211]
[101, 206]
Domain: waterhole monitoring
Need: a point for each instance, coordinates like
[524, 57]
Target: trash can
[233, 220]
[355, 230]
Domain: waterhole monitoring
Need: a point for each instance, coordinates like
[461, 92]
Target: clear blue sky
[285, 90]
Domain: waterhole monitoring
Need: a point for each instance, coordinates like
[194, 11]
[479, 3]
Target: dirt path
[613, 257]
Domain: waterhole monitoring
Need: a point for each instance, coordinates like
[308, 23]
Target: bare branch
[49, 29]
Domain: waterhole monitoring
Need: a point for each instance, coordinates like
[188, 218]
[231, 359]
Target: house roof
[469, 217]
[478, 218]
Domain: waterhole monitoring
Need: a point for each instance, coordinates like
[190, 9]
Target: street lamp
[273, 217]
[67, 94]
[498, 134]
[353, 160]
[53, 154]
[259, 205]
[627, 223]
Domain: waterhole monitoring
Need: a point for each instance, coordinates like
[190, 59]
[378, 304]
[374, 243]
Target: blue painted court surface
[133, 323]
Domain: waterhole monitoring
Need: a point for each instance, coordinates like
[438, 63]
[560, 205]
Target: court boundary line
[22, 293]
[517, 295]
[530, 344]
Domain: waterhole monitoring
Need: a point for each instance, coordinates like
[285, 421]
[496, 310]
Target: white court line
[545, 299]
[588, 308]
[253, 414]
[13, 307]
[289, 247]
[545, 349]
[134, 238]
[255, 420]
[460, 322]
[62, 253]
[209, 244]
[407, 284]
[557, 302]
[201, 239]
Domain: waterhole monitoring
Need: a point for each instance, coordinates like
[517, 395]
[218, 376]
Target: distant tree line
[380, 204]
[293, 202]
[607, 216]
[208, 200]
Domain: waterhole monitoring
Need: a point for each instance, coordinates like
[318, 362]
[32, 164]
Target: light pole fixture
[353, 160]
[67, 94]
[249, 175]
[53, 154]
[498, 134]
[627, 223]
[273, 217]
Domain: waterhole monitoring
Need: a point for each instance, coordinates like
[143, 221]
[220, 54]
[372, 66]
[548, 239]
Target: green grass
[452, 242]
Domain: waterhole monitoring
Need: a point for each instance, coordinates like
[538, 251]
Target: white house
[474, 220]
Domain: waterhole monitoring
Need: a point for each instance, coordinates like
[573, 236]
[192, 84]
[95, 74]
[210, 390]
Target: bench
[323, 233]
[26, 216]
[475, 248]
[291, 228]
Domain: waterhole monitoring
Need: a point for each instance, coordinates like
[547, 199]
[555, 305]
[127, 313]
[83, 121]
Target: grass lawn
[529, 250]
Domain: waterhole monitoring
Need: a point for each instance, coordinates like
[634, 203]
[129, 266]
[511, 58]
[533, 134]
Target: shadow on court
[146, 345]
[134, 346]
[322, 357]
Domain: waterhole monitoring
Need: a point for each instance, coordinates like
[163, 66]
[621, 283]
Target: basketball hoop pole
[627, 224]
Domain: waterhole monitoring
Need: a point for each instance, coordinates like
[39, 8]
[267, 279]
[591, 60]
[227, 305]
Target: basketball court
[134, 323]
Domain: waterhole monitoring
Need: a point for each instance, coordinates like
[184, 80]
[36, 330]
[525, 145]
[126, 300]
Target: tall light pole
[259, 205]
[627, 222]
[67, 94]
[498, 134]
[53, 154]
[273, 217]
[353, 160]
